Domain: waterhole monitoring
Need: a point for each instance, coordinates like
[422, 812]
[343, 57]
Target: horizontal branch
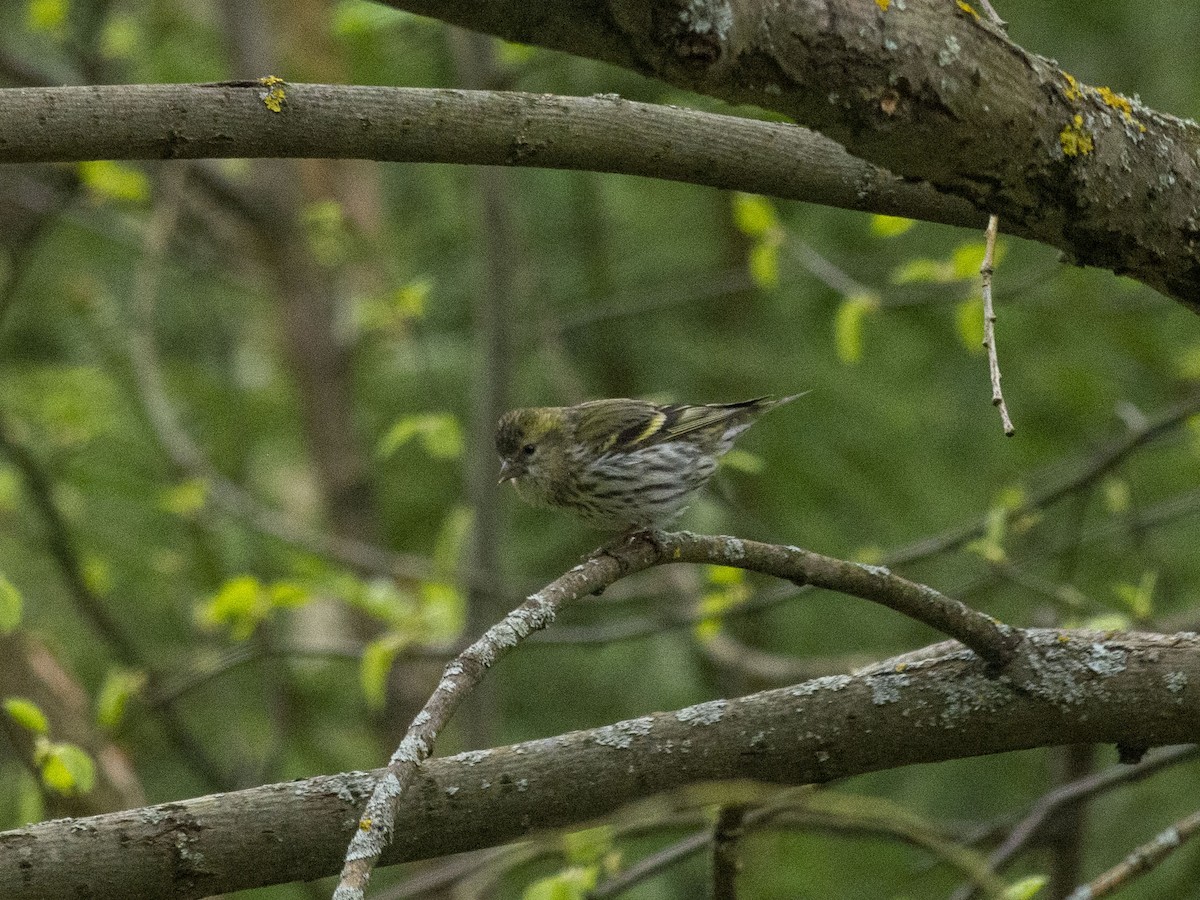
[1064, 687]
[602, 133]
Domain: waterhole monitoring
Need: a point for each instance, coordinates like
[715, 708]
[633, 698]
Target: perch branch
[992, 641]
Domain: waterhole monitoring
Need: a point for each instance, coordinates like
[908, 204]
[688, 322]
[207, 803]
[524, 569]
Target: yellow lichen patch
[883, 4]
[1073, 91]
[274, 97]
[1119, 103]
[967, 8]
[1075, 139]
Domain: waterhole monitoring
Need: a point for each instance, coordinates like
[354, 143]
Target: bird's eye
[529, 449]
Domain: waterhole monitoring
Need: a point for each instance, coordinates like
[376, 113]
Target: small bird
[624, 465]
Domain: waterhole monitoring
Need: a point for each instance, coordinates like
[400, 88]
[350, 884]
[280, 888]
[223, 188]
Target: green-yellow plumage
[619, 464]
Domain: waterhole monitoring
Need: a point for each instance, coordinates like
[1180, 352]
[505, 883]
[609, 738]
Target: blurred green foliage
[624, 287]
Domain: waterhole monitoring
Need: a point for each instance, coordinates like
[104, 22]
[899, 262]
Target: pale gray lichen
[877, 571]
[1176, 681]
[708, 17]
[703, 713]
[411, 750]
[450, 790]
[1107, 661]
[886, 688]
[621, 734]
[950, 52]
[473, 757]
[827, 683]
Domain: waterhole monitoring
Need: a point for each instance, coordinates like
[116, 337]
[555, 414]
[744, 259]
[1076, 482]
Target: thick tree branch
[929, 89]
[1064, 687]
[602, 133]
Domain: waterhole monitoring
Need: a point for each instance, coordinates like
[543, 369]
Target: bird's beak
[506, 471]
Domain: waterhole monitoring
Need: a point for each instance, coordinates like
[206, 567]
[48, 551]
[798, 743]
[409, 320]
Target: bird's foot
[626, 538]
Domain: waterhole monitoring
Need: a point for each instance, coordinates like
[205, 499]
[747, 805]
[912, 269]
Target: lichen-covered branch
[929, 89]
[1063, 687]
[601, 134]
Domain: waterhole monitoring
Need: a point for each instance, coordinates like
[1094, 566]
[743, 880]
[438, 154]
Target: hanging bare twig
[989, 324]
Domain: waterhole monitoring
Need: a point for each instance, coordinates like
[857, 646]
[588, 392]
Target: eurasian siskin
[620, 464]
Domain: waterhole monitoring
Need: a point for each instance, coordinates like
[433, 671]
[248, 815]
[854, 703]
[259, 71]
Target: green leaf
[377, 659]
[764, 264]
[890, 226]
[288, 594]
[1026, 888]
[968, 316]
[393, 313]
[109, 180]
[513, 55]
[919, 271]
[452, 539]
[570, 884]
[118, 687]
[1139, 598]
[753, 215]
[97, 574]
[589, 846]
[742, 461]
[27, 714]
[848, 325]
[991, 545]
[729, 591]
[439, 433]
[443, 611]
[185, 499]
[47, 16]
[411, 300]
[1106, 622]
[1117, 498]
[1187, 363]
[352, 18]
[11, 606]
[67, 769]
[241, 604]
[968, 258]
[121, 38]
[380, 598]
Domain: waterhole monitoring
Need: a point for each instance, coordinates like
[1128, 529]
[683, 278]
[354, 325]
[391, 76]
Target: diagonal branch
[993, 642]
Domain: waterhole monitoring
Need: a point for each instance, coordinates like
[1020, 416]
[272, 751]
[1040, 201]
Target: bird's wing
[609, 425]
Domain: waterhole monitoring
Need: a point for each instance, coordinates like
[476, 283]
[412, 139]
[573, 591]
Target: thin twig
[726, 862]
[1104, 461]
[1084, 788]
[989, 323]
[1140, 861]
[649, 866]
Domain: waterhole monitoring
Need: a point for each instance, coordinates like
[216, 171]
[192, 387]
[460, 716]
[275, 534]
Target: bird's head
[530, 443]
